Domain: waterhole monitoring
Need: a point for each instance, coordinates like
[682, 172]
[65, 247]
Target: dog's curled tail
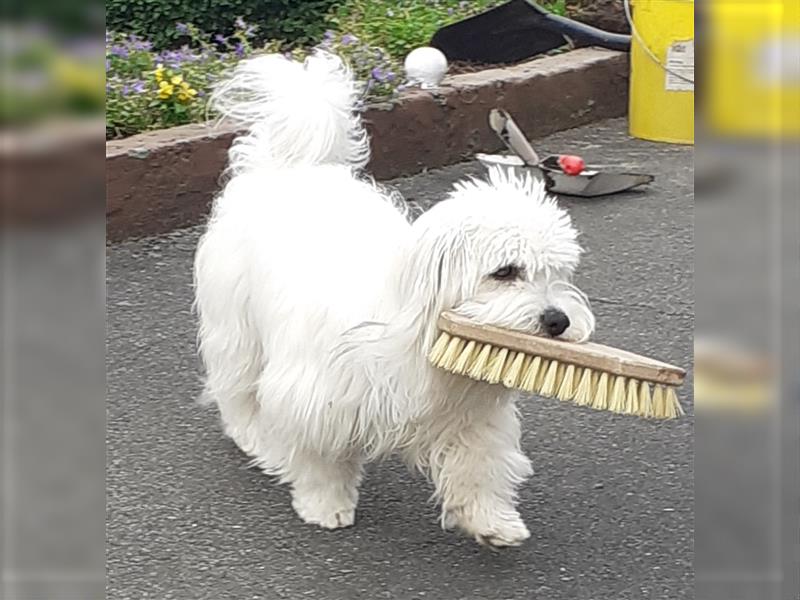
[296, 113]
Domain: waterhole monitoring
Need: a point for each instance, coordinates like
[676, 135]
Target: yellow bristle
[600, 399]
[514, 371]
[435, 355]
[512, 356]
[452, 353]
[659, 402]
[632, 398]
[674, 408]
[477, 367]
[495, 368]
[645, 401]
[559, 376]
[583, 393]
[567, 388]
[616, 402]
[465, 358]
[530, 374]
[548, 387]
[543, 368]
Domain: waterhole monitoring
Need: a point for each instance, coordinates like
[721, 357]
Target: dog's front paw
[489, 530]
[504, 534]
[328, 516]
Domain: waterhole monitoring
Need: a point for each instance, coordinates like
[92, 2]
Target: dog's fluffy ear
[433, 274]
[437, 274]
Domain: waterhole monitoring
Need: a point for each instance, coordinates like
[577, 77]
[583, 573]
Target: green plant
[399, 26]
[558, 7]
[297, 21]
[42, 79]
[146, 89]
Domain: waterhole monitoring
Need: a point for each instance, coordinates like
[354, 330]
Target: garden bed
[162, 180]
[160, 71]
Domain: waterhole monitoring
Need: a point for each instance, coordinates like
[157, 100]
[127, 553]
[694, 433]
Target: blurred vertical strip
[52, 388]
[747, 352]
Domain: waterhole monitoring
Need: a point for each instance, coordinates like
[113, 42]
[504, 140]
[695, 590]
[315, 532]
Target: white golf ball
[426, 66]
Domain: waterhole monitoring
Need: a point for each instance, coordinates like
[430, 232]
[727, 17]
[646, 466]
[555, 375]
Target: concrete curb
[162, 180]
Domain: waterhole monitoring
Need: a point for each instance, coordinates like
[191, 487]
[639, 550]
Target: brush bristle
[632, 398]
[552, 378]
[659, 402]
[475, 370]
[549, 381]
[452, 353]
[616, 402]
[464, 359]
[600, 400]
[435, 355]
[567, 388]
[674, 408]
[583, 393]
[494, 370]
[645, 401]
[528, 382]
[543, 368]
[514, 372]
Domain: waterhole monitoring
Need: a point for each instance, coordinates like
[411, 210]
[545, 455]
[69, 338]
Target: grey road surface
[610, 507]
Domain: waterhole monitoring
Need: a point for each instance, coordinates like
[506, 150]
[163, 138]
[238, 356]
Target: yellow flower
[165, 90]
[159, 72]
[177, 80]
[186, 93]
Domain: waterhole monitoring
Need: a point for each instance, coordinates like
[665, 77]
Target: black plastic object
[518, 30]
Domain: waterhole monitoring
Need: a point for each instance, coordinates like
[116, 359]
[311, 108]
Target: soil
[604, 14]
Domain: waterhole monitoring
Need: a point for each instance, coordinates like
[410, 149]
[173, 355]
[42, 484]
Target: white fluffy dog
[318, 302]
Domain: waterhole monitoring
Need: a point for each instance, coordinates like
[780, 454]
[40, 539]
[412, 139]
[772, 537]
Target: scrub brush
[586, 374]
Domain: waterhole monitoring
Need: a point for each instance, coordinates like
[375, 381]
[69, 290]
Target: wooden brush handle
[588, 354]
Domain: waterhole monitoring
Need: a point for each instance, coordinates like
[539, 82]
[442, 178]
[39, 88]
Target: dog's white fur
[318, 302]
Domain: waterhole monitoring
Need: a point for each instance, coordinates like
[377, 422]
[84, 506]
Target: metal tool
[588, 183]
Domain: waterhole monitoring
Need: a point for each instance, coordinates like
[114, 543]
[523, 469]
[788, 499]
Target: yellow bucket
[662, 71]
[754, 75]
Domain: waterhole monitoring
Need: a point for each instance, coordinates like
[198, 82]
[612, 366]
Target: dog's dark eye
[506, 273]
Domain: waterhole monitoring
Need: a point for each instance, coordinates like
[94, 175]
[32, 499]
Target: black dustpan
[518, 30]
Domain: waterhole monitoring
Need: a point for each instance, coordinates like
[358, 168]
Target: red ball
[571, 165]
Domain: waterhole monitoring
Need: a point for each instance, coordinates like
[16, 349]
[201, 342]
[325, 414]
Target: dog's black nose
[554, 321]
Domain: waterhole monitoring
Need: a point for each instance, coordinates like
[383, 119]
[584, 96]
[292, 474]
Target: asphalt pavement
[610, 507]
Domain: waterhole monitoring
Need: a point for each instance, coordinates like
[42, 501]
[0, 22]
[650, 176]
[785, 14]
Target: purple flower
[142, 45]
[108, 65]
[138, 87]
[239, 49]
[389, 76]
[250, 31]
[220, 39]
[125, 90]
[120, 51]
[182, 28]
[175, 58]
[328, 36]
[240, 24]
[348, 39]
[378, 74]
